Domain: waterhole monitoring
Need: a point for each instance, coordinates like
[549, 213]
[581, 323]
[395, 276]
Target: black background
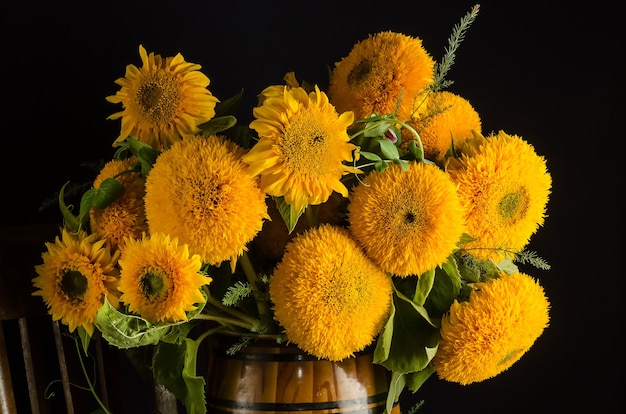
[551, 74]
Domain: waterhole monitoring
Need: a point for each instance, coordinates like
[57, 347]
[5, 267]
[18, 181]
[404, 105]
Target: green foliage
[128, 331]
[530, 257]
[146, 155]
[454, 41]
[236, 293]
[288, 213]
[174, 367]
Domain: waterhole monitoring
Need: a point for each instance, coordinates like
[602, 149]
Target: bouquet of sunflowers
[376, 210]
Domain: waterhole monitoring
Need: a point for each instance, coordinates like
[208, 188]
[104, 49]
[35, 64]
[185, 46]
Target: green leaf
[71, 222]
[424, 285]
[217, 125]
[287, 212]
[414, 339]
[85, 339]
[396, 386]
[415, 151]
[420, 309]
[415, 380]
[228, 106]
[446, 288]
[175, 368]
[100, 197]
[146, 155]
[388, 150]
[370, 156]
[507, 266]
[128, 331]
[376, 129]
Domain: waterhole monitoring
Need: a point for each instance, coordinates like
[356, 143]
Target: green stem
[88, 379]
[224, 320]
[253, 279]
[241, 316]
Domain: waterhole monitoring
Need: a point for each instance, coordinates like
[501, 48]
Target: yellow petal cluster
[160, 279]
[504, 186]
[386, 73]
[330, 298]
[200, 192]
[408, 222]
[449, 118]
[486, 335]
[126, 215]
[77, 273]
[163, 101]
[302, 147]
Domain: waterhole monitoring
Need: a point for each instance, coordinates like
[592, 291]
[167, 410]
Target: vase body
[265, 377]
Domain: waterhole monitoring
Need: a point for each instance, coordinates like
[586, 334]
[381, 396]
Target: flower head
[76, 275]
[160, 279]
[449, 118]
[200, 192]
[486, 335]
[163, 101]
[302, 147]
[504, 187]
[126, 215]
[386, 73]
[407, 221]
[331, 301]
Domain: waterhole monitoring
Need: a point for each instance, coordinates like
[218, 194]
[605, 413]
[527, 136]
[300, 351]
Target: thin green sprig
[454, 41]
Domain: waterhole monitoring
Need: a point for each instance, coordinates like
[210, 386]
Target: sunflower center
[513, 206]
[152, 285]
[74, 284]
[409, 217]
[305, 144]
[359, 72]
[159, 99]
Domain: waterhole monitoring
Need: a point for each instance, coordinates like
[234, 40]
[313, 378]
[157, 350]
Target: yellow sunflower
[200, 192]
[504, 187]
[76, 274]
[448, 117]
[407, 221]
[330, 298]
[381, 71]
[163, 101]
[276, 91]
[302, 147]
[160, 279]
[486, 335]
[126, 215]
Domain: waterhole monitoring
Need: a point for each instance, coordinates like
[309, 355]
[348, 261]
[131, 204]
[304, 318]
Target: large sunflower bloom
[330, 298]
[407, 221]
[126, 215]
[163, 101]
[486, 335]
[387, 72]
[76, 275]
[448, 118]
[160, 279]
[200, 192]
[504, 187]
[302, 147]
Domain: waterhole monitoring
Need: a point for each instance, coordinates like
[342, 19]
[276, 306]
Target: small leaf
[424, 285]
[218, 124]
[389, 150]
[128, 331]
[287, 212]
[71, 222]
[370, 156]
[415, 380]
[227, 107]
[175, 368]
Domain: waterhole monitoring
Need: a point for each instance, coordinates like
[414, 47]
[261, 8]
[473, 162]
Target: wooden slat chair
[38, 359]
